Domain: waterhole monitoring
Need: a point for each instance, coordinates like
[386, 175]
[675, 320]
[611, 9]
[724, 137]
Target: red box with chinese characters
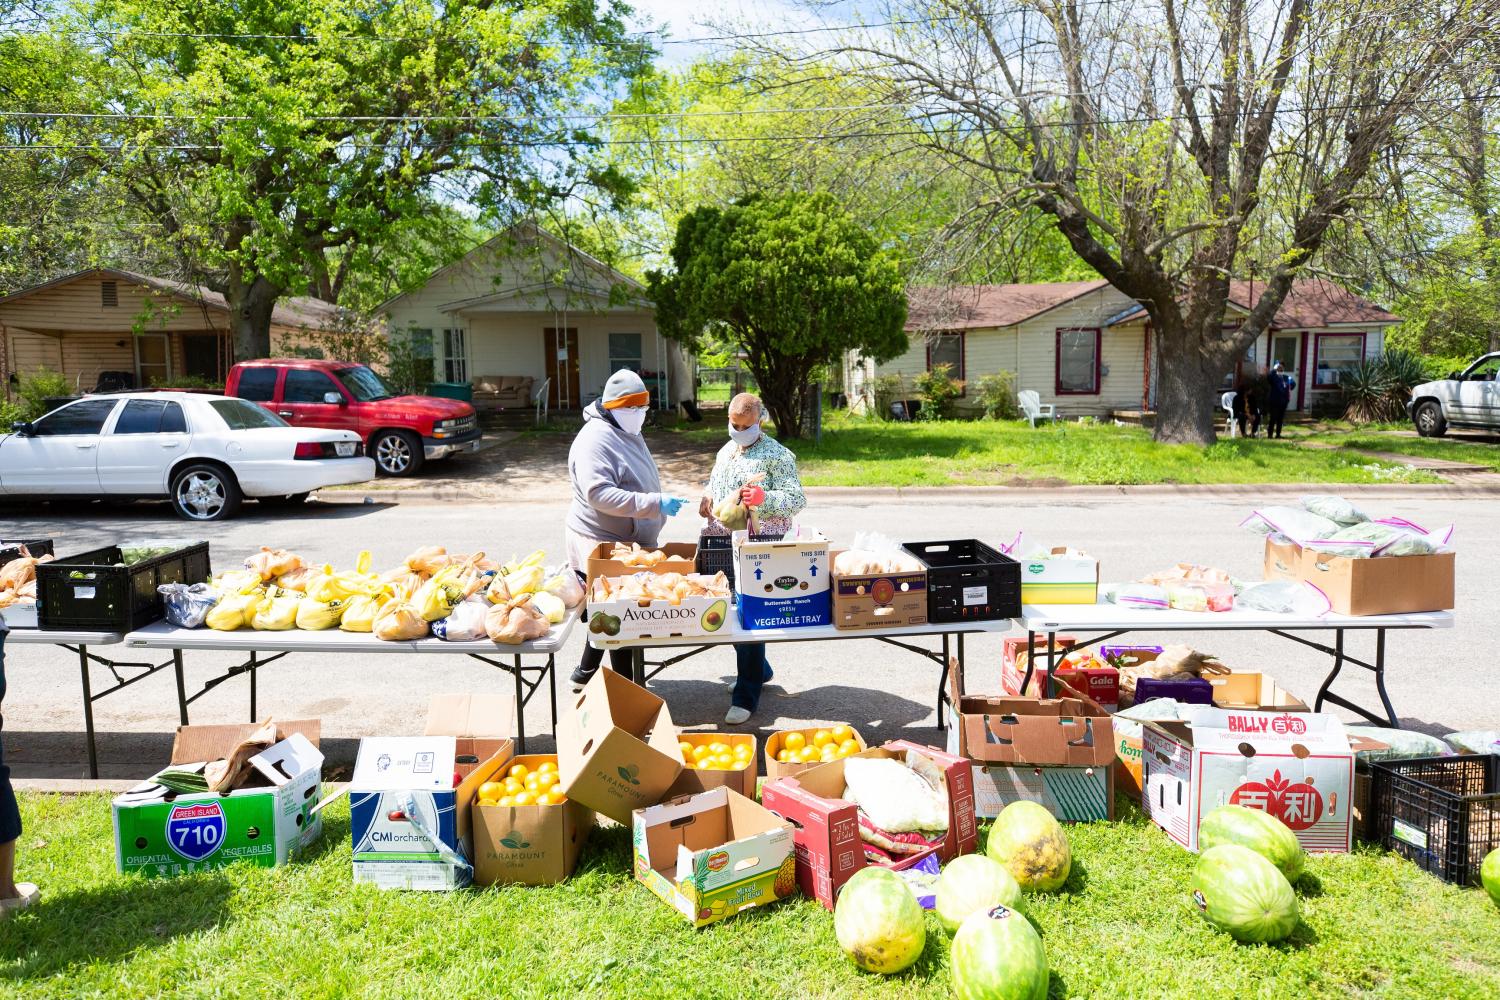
[828, 846]
[1297, 766]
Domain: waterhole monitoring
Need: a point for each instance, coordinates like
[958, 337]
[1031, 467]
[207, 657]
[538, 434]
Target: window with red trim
[1078, 361]
[947, 349]
[1333, 355]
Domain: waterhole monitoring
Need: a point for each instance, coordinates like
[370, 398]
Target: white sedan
[204, 453]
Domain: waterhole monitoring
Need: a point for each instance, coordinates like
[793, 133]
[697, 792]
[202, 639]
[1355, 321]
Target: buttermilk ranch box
[783, 584]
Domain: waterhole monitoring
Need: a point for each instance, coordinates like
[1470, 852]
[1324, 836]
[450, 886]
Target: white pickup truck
[1467, 399]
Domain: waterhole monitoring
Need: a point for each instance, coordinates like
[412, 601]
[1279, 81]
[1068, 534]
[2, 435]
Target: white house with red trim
[1087, 348]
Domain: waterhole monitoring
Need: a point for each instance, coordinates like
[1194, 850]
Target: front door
[61, 454]
[200, 356]
[153, 364]
[1287, 348]
[1479, 393]
[560, 358]
[147, 437]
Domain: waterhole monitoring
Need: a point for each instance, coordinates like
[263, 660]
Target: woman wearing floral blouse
[774, 498]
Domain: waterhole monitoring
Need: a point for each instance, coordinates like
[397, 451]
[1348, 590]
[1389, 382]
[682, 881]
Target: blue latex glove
[671, 505]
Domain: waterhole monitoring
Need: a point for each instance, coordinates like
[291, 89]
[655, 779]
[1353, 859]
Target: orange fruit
[512, 786]
[822, 738]
[718, 747]
[554, 798]
[808, 755]
[784, 755]
[685, 748]
[546, 766]
[842, 732]
[491, 790]
[701, 751]
[848, 747]
[489, 802]
[794, 741]
[526, 799]
[519, 771]
[725, 760]
[546, 779]
[506, 800]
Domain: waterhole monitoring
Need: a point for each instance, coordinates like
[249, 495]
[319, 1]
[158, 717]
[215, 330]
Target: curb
[73, 786]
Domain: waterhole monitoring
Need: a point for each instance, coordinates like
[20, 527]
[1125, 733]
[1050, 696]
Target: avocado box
[623, 618]
[526, 845]
[267, 822]
[617, 747]
[1060, 576]
[783, 584]
[713, 854]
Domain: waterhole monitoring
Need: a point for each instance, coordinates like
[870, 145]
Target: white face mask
[744, 438]
[631, 419]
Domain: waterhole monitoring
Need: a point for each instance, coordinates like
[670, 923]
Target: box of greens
[114, 589]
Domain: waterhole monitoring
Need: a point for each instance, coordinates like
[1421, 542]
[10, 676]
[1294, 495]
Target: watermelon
[1242, 893]
[1260, 831]
[1030, 843]
[973, 883]
[998, 955]
[1489, 874]
[878, 922]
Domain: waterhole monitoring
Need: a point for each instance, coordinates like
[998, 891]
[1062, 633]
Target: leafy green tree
[792, 281]
[283, 144]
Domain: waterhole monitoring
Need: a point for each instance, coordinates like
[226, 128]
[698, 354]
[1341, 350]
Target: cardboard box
[617, 747]
[1129, 776]
[1059, 753]
[1387, 585]
[268, 822]
[1283, 560]
[1014, 656]
[1061, 579]
[1296, 766]
[526, 845]
[623, 618]
[782, 584]
[1253, 691]
[682, 557]
[777, 741]
[711, 855]
[693, 780]
[878, 600]
[477, 722]
[829, 849]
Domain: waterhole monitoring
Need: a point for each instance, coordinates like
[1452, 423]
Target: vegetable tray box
[713, 854]
[681, 558]
[617, 747]
[268, 822]
[526, 845]
[782, 584]
[1058, 752]
[829, 847]
[878, 600]
[1060, 577]
[1297, 766]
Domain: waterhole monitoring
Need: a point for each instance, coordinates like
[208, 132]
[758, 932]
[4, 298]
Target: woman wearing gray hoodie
[616, 490]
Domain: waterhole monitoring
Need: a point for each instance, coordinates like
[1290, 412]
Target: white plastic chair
[1227, 403]
[1033, 408]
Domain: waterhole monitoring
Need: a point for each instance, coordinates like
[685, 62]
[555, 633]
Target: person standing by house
[1258, 389]
[1278, 398]
[763, 473]
[14, 896]
[616, 491]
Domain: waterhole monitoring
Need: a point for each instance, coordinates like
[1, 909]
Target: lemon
[519, 771]
[794, 742]
[842, 733]
[700, 752]
[822, 738]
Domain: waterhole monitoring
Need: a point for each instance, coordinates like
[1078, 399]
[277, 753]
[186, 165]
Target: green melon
[998, 955]
[1260, 831]
[971, 884]
[1031, 844]
[878, 921]
[1489, 874]
[1240, 892]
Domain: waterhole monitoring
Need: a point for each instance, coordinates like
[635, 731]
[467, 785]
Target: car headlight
[443, 428]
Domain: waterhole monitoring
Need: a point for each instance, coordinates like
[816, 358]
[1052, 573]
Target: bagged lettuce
[1474, 741]
[1286, 597]
[1299, 525]
[1336, 509]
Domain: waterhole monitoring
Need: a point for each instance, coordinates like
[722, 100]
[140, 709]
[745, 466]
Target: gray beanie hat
[624, 389]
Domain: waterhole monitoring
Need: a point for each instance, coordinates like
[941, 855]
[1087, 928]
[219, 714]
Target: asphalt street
[1439, 681]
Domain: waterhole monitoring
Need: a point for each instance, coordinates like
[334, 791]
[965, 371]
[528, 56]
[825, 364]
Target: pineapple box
[713, 854]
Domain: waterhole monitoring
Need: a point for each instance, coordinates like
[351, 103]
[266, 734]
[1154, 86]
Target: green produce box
[267, 823]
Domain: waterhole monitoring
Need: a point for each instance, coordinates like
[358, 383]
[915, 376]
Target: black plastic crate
[89, 591]
[716, 553]
[38, 547]
[1443, 813]
[967, 581]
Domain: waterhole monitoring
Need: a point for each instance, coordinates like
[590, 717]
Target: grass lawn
[1373, 926]
[857, 452]
[1454, 450]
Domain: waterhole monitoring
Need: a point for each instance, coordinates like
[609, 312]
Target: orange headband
[633, 399]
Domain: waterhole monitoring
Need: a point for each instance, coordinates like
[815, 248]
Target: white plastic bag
[893, 796]
[1140, 595]
[1336, 509]
[464, 623]
[1286, 597]
[1295, 523]
[187, 606]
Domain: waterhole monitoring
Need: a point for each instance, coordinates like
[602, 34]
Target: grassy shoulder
[1450, 449]
[1124, 926]
[856, 452]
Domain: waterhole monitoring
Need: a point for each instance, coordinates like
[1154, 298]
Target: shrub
[997, 396]
[188, 382]
[938, 392]
[1378, 389]
[37, 387]
[887, 391]
[10, 413]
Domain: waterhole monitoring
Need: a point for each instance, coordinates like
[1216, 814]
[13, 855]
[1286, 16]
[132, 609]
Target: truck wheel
[1429, 420]
[203, 491]
[397, 453]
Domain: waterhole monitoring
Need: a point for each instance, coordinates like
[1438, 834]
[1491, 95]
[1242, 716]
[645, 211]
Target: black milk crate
[967, 581]
[89, 591]
[1443, 813]
[716, 553]
[38, 547]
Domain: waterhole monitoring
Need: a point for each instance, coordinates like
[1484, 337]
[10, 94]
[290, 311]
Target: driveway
[1439, 680]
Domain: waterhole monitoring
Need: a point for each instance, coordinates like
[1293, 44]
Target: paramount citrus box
[713, 854]
[526, 845]
[617, 748]
[158, 832]
[739, 775]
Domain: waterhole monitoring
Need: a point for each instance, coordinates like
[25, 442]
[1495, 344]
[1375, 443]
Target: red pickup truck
[400, 432]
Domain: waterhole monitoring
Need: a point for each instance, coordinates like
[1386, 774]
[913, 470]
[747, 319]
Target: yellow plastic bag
[362, 610]
[437, 597]
[526, 580]
[428, 560]
[234, 610]
[278, 612]
[314, 615]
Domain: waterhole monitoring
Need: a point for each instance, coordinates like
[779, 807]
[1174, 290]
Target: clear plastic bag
[1286, 597]
[187, 605]
[1402, 744]
[1295, 523]
[1336, 509]
[1474, 741]
[1388, 537]
[464, 624]
[1145, 596]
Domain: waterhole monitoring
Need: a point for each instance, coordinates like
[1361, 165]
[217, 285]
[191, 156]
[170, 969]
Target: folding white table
[262, 648]
[1101, 622]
